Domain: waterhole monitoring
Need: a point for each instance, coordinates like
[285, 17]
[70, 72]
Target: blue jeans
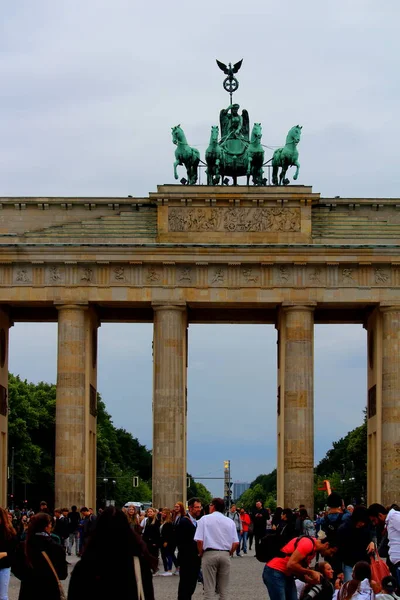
[279, 585]
[347, 572]
[4, 582]
[243, 541]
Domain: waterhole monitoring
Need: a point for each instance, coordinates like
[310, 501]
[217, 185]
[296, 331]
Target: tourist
[73, 520]
[389, 585]
[60, 526]
[217, 540]
[393, 533]
[307, 526]
[40, 562]
[107, 567]
[323, 590]
[330, 524]
[246, 521]
[279, 573]
[188, 556]
[235, 516]
[151, 532]
[8, 544]
[360, 587]
[133, 518]
[167, 541]
[178, 512]
[259, 517]
[286, 527]
[276, 519]
[86, 526]
[354, 539]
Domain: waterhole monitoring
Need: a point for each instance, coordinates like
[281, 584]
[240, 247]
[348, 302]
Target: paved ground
[245, 582]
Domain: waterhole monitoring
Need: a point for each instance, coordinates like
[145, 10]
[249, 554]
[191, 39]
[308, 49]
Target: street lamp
[105, 490]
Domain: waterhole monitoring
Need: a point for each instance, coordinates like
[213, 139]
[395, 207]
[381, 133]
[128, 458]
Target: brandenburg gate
[205, 254]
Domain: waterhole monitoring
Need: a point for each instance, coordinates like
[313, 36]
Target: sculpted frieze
[228, 275]
[234, 219]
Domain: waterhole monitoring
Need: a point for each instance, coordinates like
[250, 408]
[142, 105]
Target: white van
[138, 505]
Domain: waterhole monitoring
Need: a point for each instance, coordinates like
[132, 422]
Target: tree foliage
[344, 465]
[120, 456]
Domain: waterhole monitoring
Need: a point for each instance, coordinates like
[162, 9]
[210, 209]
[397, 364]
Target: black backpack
[270, 547]
[330, 528]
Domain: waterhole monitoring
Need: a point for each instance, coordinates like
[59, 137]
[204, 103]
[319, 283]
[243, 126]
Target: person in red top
[279, 573]
[245, 518]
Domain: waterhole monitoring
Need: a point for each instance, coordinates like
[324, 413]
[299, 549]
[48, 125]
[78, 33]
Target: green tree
[120, 456]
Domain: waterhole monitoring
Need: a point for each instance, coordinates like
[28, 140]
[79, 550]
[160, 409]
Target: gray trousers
[216, 567]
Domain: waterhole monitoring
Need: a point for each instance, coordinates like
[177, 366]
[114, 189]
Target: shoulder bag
[138, 577]
[60, 587]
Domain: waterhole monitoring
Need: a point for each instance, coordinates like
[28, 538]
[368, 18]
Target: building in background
[239, 487]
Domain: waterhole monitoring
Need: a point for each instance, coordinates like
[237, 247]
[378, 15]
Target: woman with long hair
[115, 562]
[8, 543]
[178, 512]
[322, 590]
[133, 518]
[167, 541]
[151, 532]
[40, 562]
[355, 540]
[360, 587]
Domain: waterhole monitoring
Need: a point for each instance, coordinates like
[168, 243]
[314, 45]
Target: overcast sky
[89, 92]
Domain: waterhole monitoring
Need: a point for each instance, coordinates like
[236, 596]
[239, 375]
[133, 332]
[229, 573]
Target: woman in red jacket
[245, 519]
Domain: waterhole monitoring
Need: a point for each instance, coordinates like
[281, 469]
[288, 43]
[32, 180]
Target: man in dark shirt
[73, 520]
[188, 555]
[259, 517]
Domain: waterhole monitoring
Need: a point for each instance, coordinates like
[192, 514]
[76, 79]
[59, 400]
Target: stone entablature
[203, 214]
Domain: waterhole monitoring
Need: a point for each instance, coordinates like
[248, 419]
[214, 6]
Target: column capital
[304, 306]
[386, 307]
[179, 306]
[71, 305]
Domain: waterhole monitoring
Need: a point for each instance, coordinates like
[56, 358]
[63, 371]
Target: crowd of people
[119, 550]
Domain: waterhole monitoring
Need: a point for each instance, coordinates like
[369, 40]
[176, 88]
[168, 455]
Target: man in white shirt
[217, 540]
[393, 533]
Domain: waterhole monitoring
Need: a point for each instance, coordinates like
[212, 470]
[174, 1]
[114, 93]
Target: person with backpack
[293, 561]
[235, 516]
[355, 540]
[330, 524]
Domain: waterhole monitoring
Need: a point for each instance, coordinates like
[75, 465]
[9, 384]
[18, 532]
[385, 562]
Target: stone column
[5, 324]
[390, 404]
[298, 409]
[169, 404]
[75, 464]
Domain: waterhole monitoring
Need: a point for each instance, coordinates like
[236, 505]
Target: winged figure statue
[230, 71]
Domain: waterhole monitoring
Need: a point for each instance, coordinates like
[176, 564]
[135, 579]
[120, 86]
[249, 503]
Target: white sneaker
[166, 574]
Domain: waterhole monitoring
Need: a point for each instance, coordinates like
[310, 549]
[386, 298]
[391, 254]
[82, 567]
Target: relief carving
[315, 276]
[152, 275]
[234, 219]
[381, 276]
[284, 273]
[219, 276]
[119, 273]
[249, 275]
[184, 275]
[87, 275]
[55, 274]
[347, 276]
[22, 276]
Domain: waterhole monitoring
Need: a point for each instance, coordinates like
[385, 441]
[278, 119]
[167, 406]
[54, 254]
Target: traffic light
[135, 481]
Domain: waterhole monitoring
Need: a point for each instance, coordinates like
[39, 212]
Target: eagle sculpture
[230, 71]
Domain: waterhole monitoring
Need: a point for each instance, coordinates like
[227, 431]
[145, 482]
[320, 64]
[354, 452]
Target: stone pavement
[245, 582]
